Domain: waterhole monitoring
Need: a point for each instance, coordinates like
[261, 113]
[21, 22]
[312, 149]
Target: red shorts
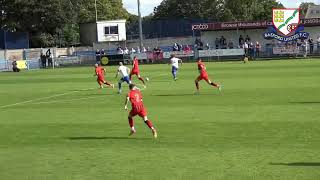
[203, 77]
[135, 72]
[142, 112]
[100, 79]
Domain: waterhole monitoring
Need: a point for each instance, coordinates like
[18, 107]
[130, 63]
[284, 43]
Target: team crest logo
[286, 21]
[105, 61]
[286, 26]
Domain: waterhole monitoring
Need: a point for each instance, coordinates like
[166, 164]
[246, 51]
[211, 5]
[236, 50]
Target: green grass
[265, 125]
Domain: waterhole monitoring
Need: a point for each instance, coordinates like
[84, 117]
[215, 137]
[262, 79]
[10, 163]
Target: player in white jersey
[124, 72]
[175, 65]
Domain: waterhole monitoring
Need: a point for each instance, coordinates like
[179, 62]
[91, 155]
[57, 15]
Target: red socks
[149, 123]
[108, 84]
[141, 79]
[214, 84]
[131, 123]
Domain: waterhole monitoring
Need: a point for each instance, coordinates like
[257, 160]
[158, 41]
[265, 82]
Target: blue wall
[14, 40]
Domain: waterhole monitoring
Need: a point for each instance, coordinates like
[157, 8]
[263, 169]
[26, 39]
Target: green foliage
[304, 7]
[45, 18]
[220, 10]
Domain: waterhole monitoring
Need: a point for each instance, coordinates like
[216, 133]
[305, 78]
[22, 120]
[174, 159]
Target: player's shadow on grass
[307, 102]
[172, 95]
[103, 138]
[302, 164]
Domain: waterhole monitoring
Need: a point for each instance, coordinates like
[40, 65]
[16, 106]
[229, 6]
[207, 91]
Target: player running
[204, 76]
[136, 71]
[135, 97]
[99, 72]
[175, 66]
[124, 71]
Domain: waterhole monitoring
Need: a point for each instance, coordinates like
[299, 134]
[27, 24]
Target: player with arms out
[175, 66]
[204, 76]
[99, 72]
[136, 71]
[135, 97]
[124, 71]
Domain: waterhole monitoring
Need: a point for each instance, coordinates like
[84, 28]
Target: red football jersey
[135, 65]
[135, 97]
[202, 68]
[100, 71]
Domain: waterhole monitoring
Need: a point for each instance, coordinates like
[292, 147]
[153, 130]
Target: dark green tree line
[219, 10]
[56, 22]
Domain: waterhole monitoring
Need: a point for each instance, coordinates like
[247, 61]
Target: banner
[22, 64]
[285, 50]
[246, 25]
[178, 54]
[299, 35]
[221, 52]
[141, 56]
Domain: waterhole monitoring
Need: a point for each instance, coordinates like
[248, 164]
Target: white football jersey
[175, 62]
[123, 71]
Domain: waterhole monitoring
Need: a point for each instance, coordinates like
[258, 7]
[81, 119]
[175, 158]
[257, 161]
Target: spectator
[119, 50]
[180, 47]
[241, 41]
[230, 45]
[207, 46]
[251, 50]
[217, 42]
[187, 49]
[157, 53]
[248, 39]
[49, 57]
[200, 46]
[318, 44]
[223, 43]
[98, 56]
[144, 50]
[43, 60]
[175, 47]
[197, 42]
[102, 52]
[126, 50]
[133, 51]
[138, 50]
[257, 47]
[310, 41]
[15, 66]
[245, 47]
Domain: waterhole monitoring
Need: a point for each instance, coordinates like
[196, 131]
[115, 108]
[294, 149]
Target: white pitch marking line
[49, 97]
[70, 100]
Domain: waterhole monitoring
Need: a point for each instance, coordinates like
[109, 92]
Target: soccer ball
[147, 79]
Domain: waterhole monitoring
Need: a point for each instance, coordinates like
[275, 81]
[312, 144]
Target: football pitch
[57, 125]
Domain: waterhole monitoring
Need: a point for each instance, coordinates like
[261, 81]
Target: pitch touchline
[38, 99]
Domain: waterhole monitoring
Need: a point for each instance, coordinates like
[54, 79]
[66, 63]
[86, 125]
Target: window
[317, 11]
[111, 30]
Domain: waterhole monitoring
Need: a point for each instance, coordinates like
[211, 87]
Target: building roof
[313, 12]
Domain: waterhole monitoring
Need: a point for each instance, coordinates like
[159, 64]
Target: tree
[219, 10]
[107, 9]
[304, 7]
[53, 22]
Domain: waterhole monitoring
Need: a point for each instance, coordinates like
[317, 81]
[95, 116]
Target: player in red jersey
[99, 72]
[204, 76]
[135, 70]
[135, 97]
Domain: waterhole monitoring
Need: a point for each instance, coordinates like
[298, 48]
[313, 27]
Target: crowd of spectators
[251, 48]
